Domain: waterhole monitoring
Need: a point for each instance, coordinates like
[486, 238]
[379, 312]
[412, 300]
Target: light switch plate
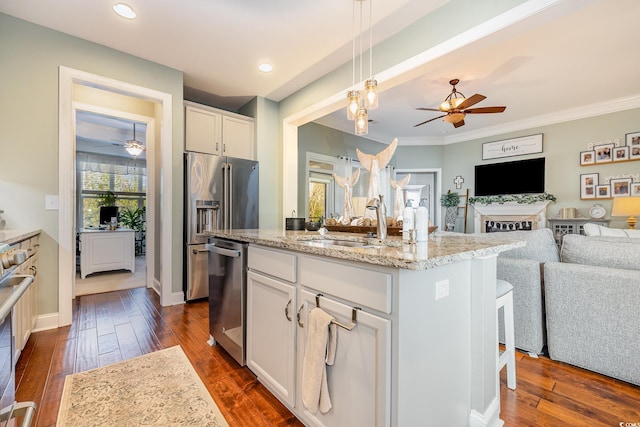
[442, 289]
[51, 202]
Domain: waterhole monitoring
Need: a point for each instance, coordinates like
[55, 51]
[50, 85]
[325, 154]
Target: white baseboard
[176, 298]
[46, 322]
[490, 417]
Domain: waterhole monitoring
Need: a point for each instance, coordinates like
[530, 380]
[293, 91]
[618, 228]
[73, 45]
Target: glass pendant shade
[353, 103]
[134, 148]
[451, 104]
[454, 117]
[371, 94]
[362, 121]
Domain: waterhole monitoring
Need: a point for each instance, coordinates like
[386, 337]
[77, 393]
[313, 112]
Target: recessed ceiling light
[265, 67]
[124, 10]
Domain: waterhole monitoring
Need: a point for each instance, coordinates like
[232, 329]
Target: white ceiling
[571, 60]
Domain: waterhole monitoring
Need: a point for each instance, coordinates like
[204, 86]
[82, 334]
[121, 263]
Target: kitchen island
[420, 345]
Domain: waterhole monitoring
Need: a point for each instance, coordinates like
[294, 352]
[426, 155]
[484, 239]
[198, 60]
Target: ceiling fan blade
[484, 110]
[427, 121]
[458, 124]
[429, 109]
[474, 99]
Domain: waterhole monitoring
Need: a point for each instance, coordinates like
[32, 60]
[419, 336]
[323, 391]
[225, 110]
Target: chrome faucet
[381, 213]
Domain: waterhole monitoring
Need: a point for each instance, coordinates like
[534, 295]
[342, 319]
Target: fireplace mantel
[513, 210]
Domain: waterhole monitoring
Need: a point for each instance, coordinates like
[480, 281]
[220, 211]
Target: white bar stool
[504, 300]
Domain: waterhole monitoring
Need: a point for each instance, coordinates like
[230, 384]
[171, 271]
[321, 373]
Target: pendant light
[134, 147]
[358, 103]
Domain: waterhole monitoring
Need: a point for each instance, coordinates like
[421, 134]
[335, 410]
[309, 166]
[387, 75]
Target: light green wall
[562, 144]
[31, 56]
[419, 156]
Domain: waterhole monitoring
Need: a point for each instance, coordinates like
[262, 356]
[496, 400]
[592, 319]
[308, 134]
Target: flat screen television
[519, 177]
[106, 212]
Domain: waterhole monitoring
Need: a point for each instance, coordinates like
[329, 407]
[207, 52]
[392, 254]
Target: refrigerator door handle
[233, 253]
[230, 196]
[225, 196]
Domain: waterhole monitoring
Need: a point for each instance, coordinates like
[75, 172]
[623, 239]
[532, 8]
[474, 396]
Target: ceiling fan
[456, 106]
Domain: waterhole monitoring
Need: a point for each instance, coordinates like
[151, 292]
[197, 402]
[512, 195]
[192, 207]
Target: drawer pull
[286, 311]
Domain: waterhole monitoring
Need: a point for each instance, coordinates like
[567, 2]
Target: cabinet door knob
[286, 311]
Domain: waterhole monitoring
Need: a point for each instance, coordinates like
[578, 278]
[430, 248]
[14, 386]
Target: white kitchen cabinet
[213, 131]
[359, 381]
[203, 130]
[237, 137]
[271, 334]
[25, 311]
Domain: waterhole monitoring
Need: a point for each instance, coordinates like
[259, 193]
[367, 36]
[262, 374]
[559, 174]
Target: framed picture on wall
[633, 139]
[587, 157]
[588, 184]
[634, 152]
[621, 154]
[603, 191]
[604, 153]
[620, 187]
[635, 188]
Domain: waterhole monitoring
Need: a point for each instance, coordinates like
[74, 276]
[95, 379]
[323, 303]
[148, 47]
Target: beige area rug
[157, 389]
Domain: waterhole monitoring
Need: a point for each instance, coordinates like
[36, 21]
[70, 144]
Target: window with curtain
[97, 173]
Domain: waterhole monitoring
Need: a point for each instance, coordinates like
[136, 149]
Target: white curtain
[110, 164]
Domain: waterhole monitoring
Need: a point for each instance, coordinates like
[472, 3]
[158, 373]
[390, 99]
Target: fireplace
[509, 216]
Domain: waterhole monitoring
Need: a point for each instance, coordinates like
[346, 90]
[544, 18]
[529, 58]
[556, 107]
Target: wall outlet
[442, 289]
[51, 202]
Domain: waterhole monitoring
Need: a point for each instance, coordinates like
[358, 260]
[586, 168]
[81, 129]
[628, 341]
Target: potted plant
[450, 201]
[134, 219]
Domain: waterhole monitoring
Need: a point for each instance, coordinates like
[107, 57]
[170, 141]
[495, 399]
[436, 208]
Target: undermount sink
[338, 242]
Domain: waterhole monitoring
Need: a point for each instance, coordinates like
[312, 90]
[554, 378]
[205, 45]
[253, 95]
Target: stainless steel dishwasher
[227, 295]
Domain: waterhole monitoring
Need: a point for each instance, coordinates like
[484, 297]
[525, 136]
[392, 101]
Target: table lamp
[626, 206]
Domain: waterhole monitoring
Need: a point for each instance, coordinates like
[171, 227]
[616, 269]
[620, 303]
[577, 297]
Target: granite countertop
[13, 236]
[441, 249]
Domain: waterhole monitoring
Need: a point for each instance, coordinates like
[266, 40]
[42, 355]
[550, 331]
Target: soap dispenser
[407, 222]
[422, 222]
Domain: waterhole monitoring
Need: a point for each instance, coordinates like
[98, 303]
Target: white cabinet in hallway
[213, 131]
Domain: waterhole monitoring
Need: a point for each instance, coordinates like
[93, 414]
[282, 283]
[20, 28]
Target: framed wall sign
[588, 184]
[512, 147]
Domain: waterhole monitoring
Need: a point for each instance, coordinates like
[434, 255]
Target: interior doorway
[160, 235]
[108, 174]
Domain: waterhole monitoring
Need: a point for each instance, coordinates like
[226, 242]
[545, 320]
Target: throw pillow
[600, 230]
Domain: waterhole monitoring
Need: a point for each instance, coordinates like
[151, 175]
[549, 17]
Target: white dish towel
[320, 351]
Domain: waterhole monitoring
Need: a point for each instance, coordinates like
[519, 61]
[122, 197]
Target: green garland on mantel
[528, 199]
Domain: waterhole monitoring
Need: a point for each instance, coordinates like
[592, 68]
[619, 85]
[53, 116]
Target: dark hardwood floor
[119, 325]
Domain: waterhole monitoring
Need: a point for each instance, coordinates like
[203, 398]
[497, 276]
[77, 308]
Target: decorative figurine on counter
[347, 184]
[374, 163]
[398, 206]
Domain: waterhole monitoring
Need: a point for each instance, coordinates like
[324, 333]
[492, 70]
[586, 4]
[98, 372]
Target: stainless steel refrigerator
[221, 193]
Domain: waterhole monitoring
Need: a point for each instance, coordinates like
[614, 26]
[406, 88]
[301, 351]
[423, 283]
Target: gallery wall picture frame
[634, 152]
[633, 139]
[603, 191]
[621, 154]
[587, 157]
[588, 184]
[635, 188]
[620, 187]
[604, 153]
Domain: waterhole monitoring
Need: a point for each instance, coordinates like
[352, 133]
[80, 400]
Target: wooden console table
[106, 250]
[562, 226]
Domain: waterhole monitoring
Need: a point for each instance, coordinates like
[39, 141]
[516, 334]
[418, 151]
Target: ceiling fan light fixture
[451, 103]
[134, 148]
[454, 117]
[362, 122]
